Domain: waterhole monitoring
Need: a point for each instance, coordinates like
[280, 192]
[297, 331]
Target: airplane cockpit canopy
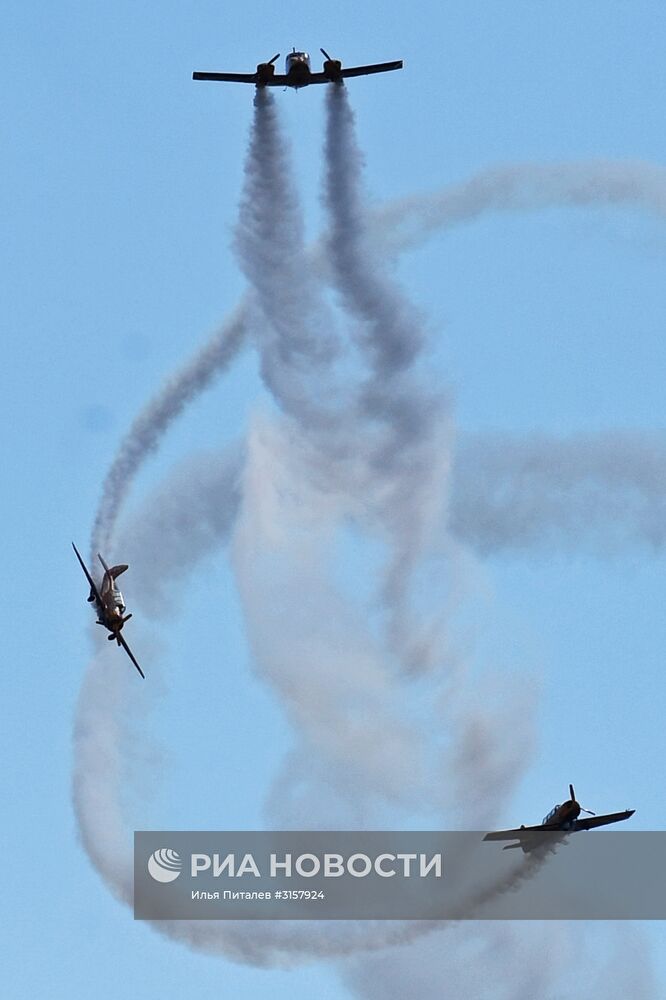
[550, 815]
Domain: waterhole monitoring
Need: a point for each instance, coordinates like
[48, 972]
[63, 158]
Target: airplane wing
[93, 586]
[365, 70]
[517, 834]
[227, 77]
[354, 71]
[129, 652]
[277, 80]
[592, 821]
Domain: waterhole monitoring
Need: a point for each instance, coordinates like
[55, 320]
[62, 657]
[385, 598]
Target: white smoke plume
[524, 187]
[148, 428]
[605, 492]
[412, 453]
[519, 960]
[380, 459]
[194, 509]
[294, 331]
[393, 229]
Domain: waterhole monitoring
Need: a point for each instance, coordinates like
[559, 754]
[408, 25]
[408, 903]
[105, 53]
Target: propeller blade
[587, 811]
[572, 793]
[325, 54]
[271, 61]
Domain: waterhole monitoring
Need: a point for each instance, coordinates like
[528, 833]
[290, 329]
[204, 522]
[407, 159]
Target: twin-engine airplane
[109, 603]
[561, 819]
[298, 73]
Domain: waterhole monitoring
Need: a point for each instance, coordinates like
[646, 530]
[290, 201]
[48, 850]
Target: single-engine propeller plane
[561, 819]
[109, 603]
[297, 72]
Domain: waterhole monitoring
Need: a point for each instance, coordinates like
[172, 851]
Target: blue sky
[121, 185]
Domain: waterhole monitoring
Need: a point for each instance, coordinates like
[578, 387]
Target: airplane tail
[113, 571]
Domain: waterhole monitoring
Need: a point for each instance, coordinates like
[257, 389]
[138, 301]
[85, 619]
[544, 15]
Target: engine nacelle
[333, 68]
[265, 72]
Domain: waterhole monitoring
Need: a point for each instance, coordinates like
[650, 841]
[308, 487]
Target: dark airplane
[298, 73]
[561, 819]
[109, 603]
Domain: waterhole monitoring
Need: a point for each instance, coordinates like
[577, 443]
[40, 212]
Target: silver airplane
[297, 72]
[109, 603]
[561, 819]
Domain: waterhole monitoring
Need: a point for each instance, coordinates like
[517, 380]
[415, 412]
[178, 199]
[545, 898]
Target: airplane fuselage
[109, 601]
[297, 69]
[112, 611]
[562, 816]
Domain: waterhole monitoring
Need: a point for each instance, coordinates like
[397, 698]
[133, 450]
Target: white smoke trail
[98, 774]
[507, 962]
[522, 960]
[149, 427]
[178, 523]
[98, 742]
[605, 492]
[295, 333]
[541, 492]
[394, 229]
[412, 458]
[523, 187]
[99, 745]
[390, 333]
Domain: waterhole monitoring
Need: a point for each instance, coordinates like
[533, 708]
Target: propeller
[573, 799]
[271, 61]
[325, 55]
